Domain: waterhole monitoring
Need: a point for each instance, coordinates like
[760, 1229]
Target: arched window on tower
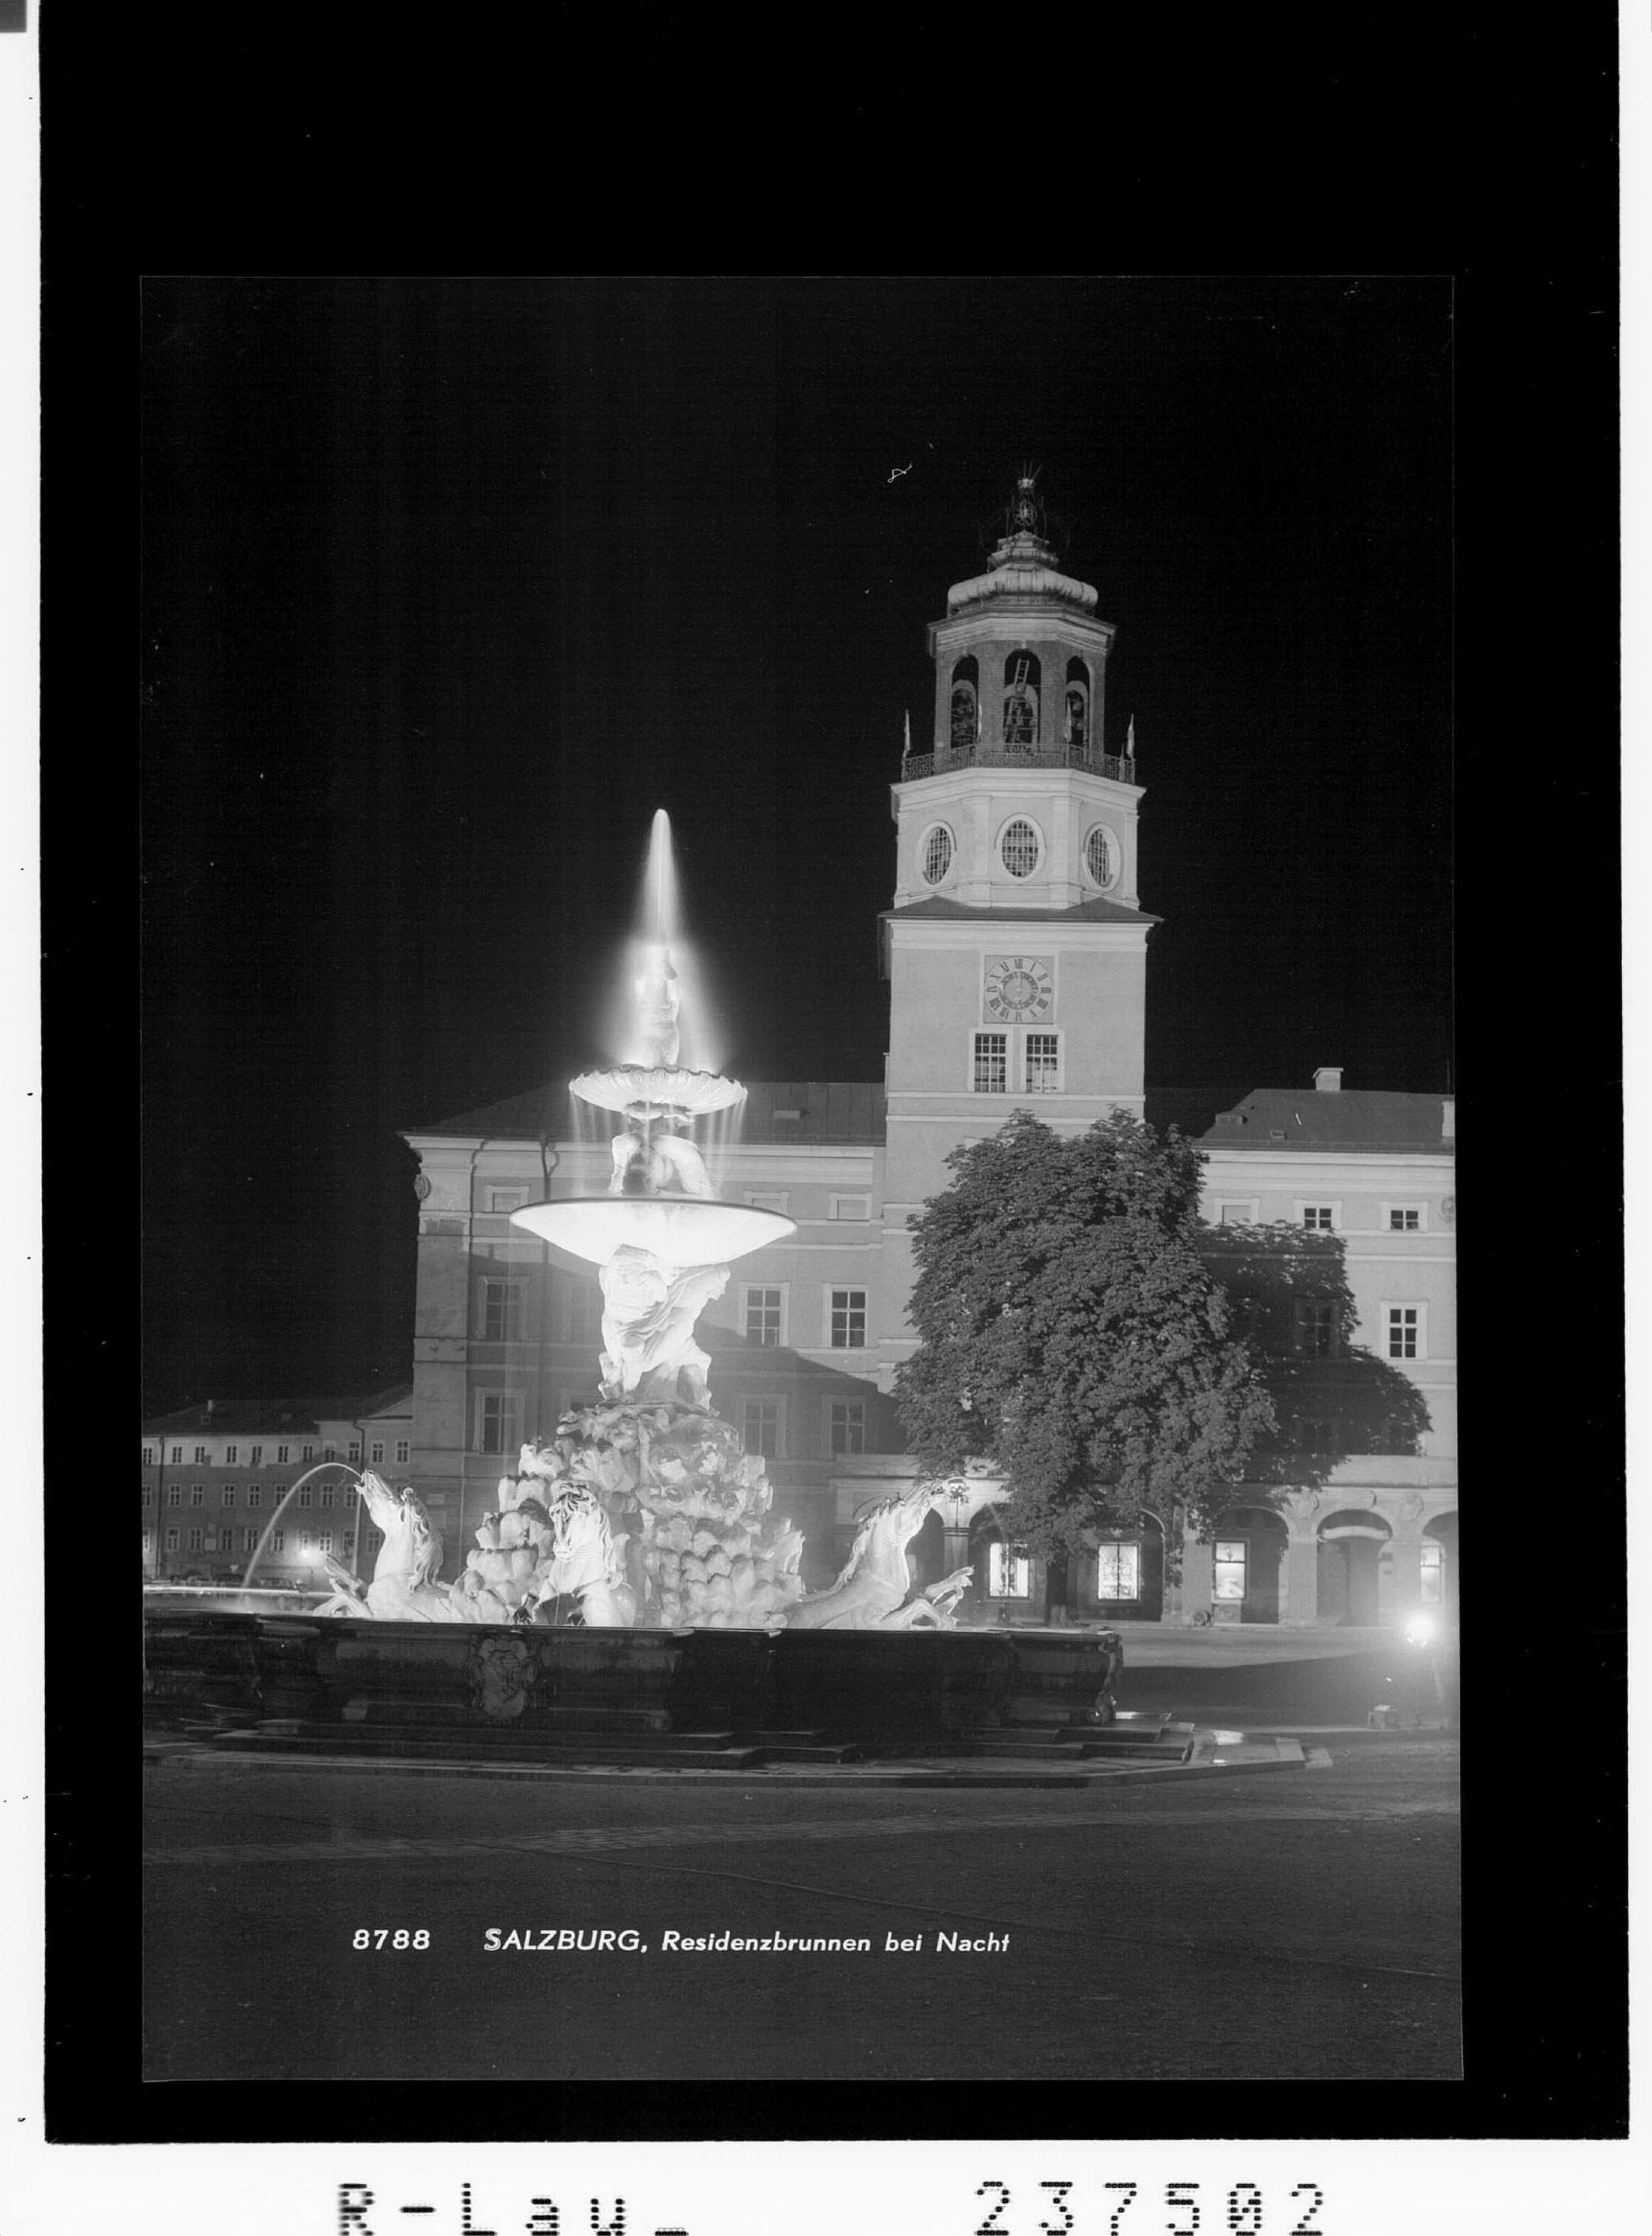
[966, 711]
[1021, 680]
[1078, 725]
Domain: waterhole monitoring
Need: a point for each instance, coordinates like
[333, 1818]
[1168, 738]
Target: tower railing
[985, 754]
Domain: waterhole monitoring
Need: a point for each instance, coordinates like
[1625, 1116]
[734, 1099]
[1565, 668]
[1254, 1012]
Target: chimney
[1328, 1080]
[1448, 1117]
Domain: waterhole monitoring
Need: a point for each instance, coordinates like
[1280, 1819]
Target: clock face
[1018, 986]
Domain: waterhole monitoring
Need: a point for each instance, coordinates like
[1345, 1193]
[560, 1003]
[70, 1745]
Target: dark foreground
[1282, 1926]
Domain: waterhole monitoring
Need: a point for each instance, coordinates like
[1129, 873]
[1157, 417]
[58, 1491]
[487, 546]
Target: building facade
[1015, 951]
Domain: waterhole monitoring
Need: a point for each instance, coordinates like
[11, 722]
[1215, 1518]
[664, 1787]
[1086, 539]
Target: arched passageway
[1351, 1546]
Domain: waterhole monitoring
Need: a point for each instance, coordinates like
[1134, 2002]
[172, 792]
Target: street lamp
[1419, 1636]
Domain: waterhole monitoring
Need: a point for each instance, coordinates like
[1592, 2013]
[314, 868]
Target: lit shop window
[1009, 1572]
[845, 1426]
[1433, 1573]
[1118, 1572]
[1229, 1580]
[848, 1319]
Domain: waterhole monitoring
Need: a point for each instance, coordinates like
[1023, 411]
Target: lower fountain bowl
[679, 1230]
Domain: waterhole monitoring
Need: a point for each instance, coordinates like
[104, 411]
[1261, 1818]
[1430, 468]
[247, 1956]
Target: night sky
[447, 584]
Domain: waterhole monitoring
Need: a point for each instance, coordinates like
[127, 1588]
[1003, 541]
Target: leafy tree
[1072, 1338]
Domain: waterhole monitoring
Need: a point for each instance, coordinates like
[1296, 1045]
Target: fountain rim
[541, 1219]
[660, 1087]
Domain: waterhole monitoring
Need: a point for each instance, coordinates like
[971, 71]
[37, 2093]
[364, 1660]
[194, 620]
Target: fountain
[644, 1510]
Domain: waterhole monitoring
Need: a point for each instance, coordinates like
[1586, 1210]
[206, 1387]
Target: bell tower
[1015, 949]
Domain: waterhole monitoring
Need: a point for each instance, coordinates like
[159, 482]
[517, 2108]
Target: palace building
[1015, 948]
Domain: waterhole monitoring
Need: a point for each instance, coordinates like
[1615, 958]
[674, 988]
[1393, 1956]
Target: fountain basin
[679, 1230]
[661, 1087]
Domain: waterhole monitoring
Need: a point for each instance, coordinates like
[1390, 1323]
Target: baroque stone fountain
[645, 1510]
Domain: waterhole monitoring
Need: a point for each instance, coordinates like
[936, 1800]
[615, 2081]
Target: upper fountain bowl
[679, 1230]
[659, 1087]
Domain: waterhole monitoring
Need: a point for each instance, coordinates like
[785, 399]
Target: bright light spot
[1418, 1630]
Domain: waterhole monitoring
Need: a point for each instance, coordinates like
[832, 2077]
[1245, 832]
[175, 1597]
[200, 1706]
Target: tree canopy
[1072, 1337]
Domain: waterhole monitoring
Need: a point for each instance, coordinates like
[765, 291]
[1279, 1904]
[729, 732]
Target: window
[992, 1063]
[501, 1312]
[306, 1452]
[352, 1452]
[281, 1452]
[278, 1541]
[228, 1497]
[1405, 1219]
[1433, 1572]
[506, 1199]
[149, 1495]
[848, 1319]
[254, 1495]
[1009, 1572]
[200, 1456]
[148, 1456]
[376, 1452]
[1228, 1582]
[172, 1540]
[498, 1425]
[146, 1541]
[232, 1454]
[177, 1454]
[1405, 1324]
[306, 1495]
[255, 1456]
[195, 1541]
[1043, 1063]
[307, 1541]
[197, 1493]
[324, 1542]
[1235, 1215]
[327, 1493]
[937, 854]
[403, 1447]
[845, 1426]
[761, 1426]
[329, 1452]
[1019, 849]
[174, 1493]
[764, 1312]
[1101, 856]
[1314, 1327]
[1118, 1572]
[852, 1207]
[1319, 1218]
[250, 1541]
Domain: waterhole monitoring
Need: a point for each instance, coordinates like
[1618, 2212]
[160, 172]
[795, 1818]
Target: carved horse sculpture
[404, 1587]
[585, 1565]
[873, 1592]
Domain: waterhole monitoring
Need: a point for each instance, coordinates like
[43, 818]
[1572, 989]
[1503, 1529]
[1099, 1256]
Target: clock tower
[1015, 949]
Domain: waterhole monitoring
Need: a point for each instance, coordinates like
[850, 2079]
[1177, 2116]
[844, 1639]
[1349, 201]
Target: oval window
[937, 854]
[1019, 849]
[1101, 856]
